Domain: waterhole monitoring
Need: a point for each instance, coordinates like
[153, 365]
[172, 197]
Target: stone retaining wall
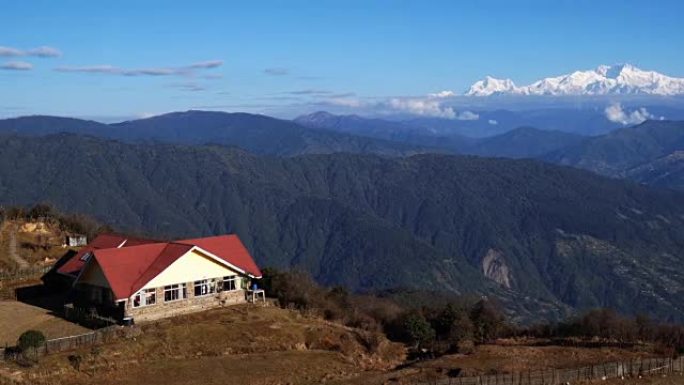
[183, 306]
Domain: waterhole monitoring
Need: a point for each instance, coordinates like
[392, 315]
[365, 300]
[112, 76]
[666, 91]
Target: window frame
[143, 296]
[207, 284]
[180, 290]
[231, 280]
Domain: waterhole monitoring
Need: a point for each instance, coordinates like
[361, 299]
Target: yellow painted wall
[193, 266]
[93, 275]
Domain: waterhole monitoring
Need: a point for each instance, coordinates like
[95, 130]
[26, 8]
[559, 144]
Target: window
[175, 292]
[204, 287]
[85, 257]
[230, 283]
[145, 298]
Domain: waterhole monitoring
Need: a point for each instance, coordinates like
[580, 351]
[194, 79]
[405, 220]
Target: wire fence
[29, 272]
[633, 368]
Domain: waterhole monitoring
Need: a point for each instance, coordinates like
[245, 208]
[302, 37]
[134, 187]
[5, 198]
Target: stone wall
[183, 306]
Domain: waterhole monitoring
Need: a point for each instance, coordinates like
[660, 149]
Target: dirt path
[10, 231]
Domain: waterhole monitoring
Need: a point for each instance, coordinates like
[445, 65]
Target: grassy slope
[269, 345]
[236, 345]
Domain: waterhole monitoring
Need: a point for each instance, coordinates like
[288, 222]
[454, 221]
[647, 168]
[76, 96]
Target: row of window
[179, 291]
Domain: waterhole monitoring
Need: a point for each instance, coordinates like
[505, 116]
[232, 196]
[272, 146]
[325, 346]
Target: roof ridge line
[149, 267]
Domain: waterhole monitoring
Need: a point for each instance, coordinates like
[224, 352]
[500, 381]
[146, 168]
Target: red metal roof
[228, 247]
[129, 268]
[103, 241]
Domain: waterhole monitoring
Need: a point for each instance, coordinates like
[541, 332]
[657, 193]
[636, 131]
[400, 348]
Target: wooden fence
[73, 342]
[56, 345]
[634, 368]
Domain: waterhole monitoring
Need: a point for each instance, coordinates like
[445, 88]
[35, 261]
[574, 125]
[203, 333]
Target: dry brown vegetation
[504, 358]
[34, 236]
[512, 359]
[671, 379]
[268, 345]
[236, 345]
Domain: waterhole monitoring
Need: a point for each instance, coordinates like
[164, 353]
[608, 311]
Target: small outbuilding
[75, 240]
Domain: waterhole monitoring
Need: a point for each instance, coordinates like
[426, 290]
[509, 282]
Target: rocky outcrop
[495, 268]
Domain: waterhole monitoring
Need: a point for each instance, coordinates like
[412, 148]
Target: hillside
[523, 142]
[520, 142]
[256, 133]
[398, 131]
[235, 345]
[267, 345]
[643, 153]
[517, 229]
[666, 172]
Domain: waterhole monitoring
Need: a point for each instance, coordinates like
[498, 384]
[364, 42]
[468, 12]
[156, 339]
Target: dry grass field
[672, 379]
[489, 359]
[513, 359]
[235, 345]
[268, 346]
[17, 317]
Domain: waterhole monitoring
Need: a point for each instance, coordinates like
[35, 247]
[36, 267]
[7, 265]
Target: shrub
[487, 321]
[415, 329]
[30, 339]
[370, 340]
[42, 210]
[466, 346]
[29, 342]
[461, 329]
[75, 361]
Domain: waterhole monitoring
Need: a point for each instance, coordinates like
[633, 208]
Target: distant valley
[538, 236]
[374, 204]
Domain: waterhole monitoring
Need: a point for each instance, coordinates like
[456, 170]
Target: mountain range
[256, 133]
[520, 142]
[545, 239]
[647, 153]
[622, 79]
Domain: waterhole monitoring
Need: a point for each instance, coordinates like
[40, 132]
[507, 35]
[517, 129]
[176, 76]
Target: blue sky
[124, 59]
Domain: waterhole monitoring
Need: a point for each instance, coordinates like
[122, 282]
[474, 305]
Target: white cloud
[310, 92]
[43, 51]
[443, 94]
[277, 71]
[188, 70]
[431, 105]
[206, 64]
[16, 66]
[346, 102]
[212, 76]
[615, 113]
[422, 106]
[188, 86]
[492, 122]
[467, 115]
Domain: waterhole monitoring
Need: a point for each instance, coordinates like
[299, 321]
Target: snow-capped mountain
[623, 79]
[492, 86]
